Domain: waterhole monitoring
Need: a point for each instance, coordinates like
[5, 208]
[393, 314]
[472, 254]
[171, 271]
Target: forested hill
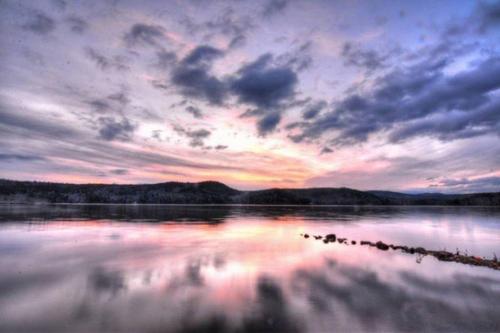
[217, 193]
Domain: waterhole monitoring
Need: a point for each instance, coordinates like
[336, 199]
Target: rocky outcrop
[439, 255]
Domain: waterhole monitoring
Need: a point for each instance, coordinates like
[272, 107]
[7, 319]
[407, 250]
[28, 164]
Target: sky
[387, 95]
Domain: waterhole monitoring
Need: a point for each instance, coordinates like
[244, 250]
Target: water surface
[112, 268]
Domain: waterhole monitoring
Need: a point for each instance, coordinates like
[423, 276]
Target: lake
[160, 268]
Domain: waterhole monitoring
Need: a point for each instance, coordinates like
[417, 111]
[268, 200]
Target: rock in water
[382, 246]
[331, 238]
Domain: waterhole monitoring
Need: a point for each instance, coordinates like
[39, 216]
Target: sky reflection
[247, 272]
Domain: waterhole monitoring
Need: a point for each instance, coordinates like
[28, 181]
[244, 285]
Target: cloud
[119, 172]
[488, 15]
[268, 123]
[296, 124]
[115, 103]
[194, 111]
[77, 24]
[120, 98]
[228, 24]
[40, 24]
[20, 157]
[267, 85]
[59, 4]
[202, 56]
[197, 83]
[111, 129]
[369, 60]
[145, 34]
[453, 125]
[18, 119]
[104, 62]
[274, 7]
[99, 105]
[262, 85]
[192, 76]
[468, 185]
[312, 110]
[197, 136]
[325, 150]
[297, 59]
[166, 59]
[418, 99]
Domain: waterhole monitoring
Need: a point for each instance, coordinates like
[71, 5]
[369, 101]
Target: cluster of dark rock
[440, 255]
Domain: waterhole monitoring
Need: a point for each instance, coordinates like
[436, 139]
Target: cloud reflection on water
[252, 273]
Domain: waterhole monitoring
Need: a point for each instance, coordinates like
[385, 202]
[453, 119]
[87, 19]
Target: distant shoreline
[234, 205]
[215, 193]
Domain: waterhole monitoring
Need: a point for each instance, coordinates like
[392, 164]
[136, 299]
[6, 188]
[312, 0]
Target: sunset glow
[369, 95]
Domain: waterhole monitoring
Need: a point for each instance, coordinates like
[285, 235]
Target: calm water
[246, 269]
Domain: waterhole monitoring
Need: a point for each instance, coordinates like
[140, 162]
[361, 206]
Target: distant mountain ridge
[211, 192]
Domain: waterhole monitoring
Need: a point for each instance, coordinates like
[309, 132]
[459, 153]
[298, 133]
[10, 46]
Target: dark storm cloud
[369, 60]
[268, 123]
[194, 111]
[197, 136]
[112, 129]
[77, 24]
[193, 78]
[274, 7]
[144, 34]
[311, 111]
[413, 101]
[41, 24]
[220, 147]
[262, 85]
[104, 62]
